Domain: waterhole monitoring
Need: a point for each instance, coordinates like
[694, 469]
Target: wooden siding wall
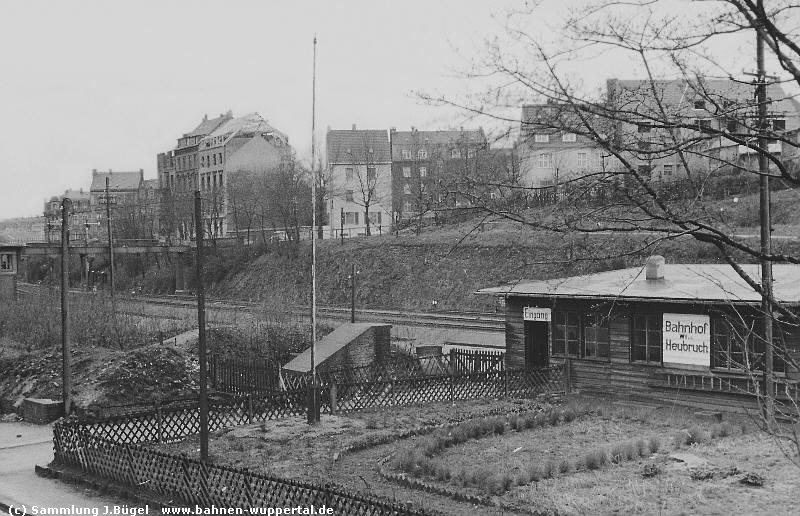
[617, 375]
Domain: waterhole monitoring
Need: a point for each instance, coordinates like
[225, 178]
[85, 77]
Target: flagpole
[313, 418]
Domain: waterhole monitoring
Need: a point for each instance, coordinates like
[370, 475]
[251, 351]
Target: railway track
[465, 321]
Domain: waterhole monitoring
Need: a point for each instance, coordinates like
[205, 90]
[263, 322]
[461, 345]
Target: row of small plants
[419, 461]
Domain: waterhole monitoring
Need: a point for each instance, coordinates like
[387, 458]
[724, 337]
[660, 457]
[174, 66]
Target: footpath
[22, 447]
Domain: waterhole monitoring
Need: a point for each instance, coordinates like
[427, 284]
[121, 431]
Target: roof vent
[654, 268]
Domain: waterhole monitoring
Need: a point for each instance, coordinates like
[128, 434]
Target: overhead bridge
[93, 249]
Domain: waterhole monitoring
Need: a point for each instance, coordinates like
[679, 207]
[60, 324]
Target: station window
[596, 335]
[351, 217]
[728, 344]
[566, 334]
[6, 262]
[646, 338]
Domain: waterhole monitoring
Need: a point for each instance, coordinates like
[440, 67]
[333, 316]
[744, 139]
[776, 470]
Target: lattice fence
[109, 447]
[197, 483]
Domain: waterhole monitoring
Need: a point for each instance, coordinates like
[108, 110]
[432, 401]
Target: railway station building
[683, 332]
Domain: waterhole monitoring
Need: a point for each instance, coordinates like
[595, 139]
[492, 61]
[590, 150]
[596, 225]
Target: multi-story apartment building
[360, 183]
[703, 116]
[205, 159]
[83, 219]
[439, 170]
[242, 145]
[552, 151]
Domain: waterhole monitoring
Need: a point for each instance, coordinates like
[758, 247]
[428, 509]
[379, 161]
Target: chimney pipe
[354, 127]
[654, 268]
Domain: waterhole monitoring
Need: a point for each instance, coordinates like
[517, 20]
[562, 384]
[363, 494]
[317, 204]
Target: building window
[732, 125]
[407, 189]
[646, 338]
[643, 127]
[455, 153]
[667, 170]
[541, 138]
[423, 171]
[220, 158]
[406, 171]
[566, 334]
[405, 154]
[351, 217]
[699, 104]
[374, 218]
[728, 344]
[644, 171]
[348, 173]
[422, 154]
[569, 137]
[215, 159]
[596, 336]
[348, 195]
[470, 153]
[6, 262]
[779, 125]
[371, 174]
[702, 123]
[583, 160]
[543, 160]
[407, 207]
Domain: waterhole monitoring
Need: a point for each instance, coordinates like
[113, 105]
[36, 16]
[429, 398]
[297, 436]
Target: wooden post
[249, 408]
[159, 423]
[568, 375]
[201, 324]
[66, 381]
[334, 400]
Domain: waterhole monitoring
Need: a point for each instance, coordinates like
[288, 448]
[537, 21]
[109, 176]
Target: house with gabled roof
[360, 182]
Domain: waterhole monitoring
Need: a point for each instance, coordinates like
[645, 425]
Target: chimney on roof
[94, 171]
[413, 129]
[392, 129]
[229, 113]
[654, 268]
[205, 117]
[354, 127]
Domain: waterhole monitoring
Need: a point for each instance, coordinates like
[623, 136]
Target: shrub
[553, 417]
[630, 451]
[617, 453]
[654, 443]
[494, 484]
[514, 421]
[523, 477]
[596, 459]
[565, 467]
[535, 472]
[641, 448]
[499, 425]
[568, 415]
[540, 419]
[695, 434]
[442, 472]
[549, 469]
[530, 421]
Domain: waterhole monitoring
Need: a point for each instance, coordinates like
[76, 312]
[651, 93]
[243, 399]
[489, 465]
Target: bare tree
[673, 139]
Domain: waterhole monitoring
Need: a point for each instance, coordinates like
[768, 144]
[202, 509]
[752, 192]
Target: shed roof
[329, 345]
[681, 283]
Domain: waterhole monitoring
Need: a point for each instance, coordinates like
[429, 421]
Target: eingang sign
[686, 339]
[532, 313]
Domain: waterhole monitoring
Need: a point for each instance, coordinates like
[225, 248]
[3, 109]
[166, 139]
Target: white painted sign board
[531, 313]
[686, 339]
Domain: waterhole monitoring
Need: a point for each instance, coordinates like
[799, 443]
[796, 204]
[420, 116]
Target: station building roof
[693, 283]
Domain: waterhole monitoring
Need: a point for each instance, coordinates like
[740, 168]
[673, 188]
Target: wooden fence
[258, 376]
[110, 447]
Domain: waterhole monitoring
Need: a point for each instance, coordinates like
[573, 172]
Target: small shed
[653, 329]
[9, 264]
[349, 345]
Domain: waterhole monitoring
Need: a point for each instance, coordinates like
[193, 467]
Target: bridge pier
[85, 271]
[179, 268]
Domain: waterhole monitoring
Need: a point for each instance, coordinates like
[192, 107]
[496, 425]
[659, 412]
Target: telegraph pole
[313, 416]
[66, 383]
[765, 218]
[201, 326]
[110, 251]
[352, 292]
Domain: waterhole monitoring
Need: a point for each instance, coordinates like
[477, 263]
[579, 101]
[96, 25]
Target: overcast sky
[102, 84]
